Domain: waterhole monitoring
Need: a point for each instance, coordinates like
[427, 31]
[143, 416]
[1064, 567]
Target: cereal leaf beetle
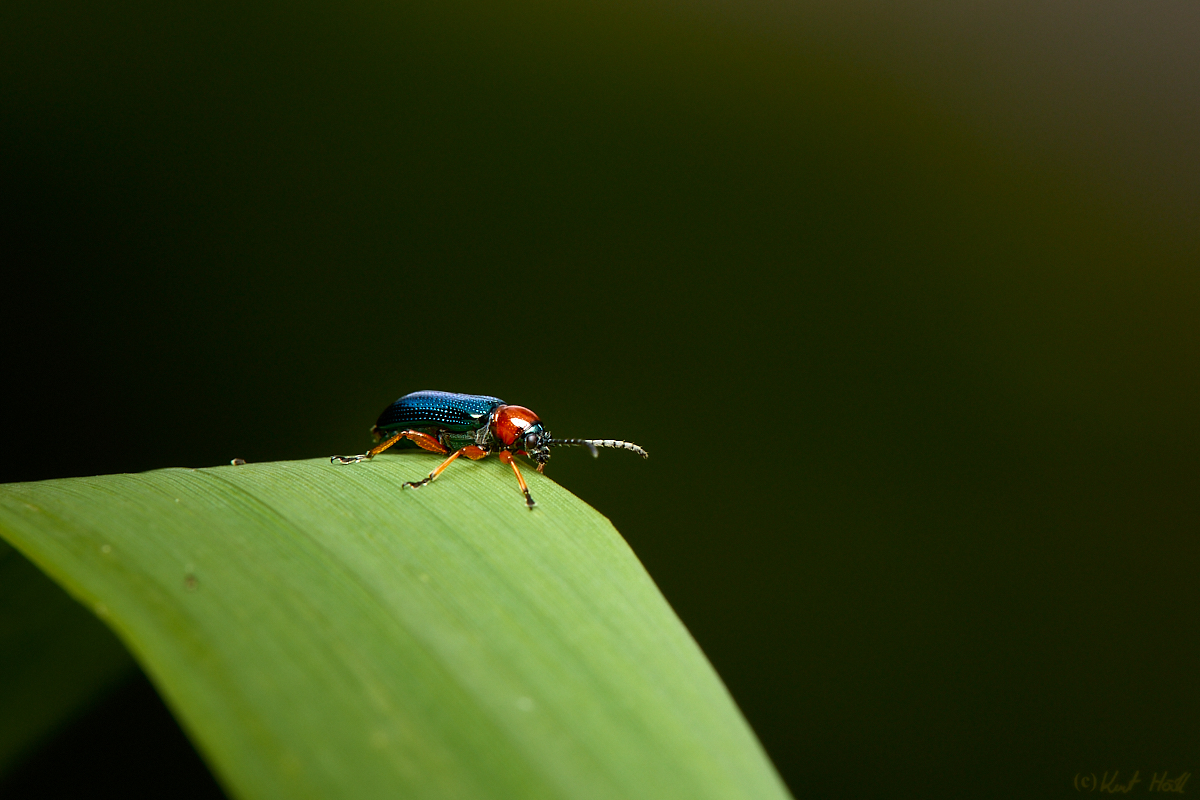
[470, 425]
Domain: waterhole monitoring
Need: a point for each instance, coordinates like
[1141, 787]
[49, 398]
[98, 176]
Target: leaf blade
[323, 634]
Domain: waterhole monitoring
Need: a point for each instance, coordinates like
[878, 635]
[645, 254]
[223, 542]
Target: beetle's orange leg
[423, 440]
[473, 452]
[507, 458]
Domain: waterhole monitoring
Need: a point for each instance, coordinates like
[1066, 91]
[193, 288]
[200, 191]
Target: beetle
[471, 425]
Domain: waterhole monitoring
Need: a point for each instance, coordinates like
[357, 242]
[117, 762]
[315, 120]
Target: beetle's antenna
[592, 444]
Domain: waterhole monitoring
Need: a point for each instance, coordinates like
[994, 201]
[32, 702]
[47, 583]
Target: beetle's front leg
[507, 458]
[423, 440]
[471, 451]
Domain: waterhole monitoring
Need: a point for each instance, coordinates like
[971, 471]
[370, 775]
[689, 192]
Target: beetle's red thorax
[509, 423]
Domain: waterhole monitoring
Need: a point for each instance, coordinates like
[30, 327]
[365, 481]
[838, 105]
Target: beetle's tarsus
[417, 484]
[349, 459]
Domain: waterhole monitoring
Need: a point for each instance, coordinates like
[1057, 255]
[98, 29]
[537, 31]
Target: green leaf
[321, 633]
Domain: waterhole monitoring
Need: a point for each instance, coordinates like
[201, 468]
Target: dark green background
[904, 304]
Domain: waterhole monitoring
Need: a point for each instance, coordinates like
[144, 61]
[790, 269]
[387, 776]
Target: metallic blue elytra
[470, 425]
[453, 412]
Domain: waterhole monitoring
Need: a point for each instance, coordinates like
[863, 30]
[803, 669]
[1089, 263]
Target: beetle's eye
[531, 441]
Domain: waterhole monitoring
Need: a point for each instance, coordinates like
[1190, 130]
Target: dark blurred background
[902, 300]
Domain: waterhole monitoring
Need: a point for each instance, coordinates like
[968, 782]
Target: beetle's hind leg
[423, 440]
[471, 451]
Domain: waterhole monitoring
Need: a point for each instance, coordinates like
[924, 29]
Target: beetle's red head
[517, 427]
